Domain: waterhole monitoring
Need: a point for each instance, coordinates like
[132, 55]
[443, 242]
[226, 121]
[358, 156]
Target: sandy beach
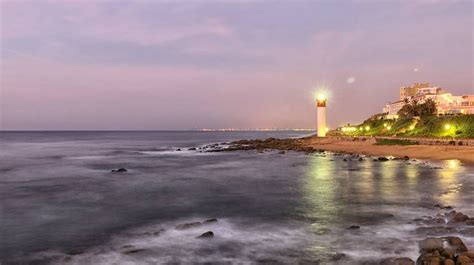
[431, 152]
[366, 146]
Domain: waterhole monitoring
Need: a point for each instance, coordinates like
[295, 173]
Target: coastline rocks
[119, 170]
[210, 221]
[208, 234]
[192, 149]
[353, 227]
[188, 225]
[382, 159]
[456, 244]
[430, 244]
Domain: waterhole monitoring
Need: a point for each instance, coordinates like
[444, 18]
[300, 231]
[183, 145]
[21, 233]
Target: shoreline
[363, 147]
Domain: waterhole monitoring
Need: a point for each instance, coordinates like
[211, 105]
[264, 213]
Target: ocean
[61, 204]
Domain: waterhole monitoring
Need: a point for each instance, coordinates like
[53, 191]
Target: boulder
[449, 262]
[470, 221]
[448, 253]
[459, 217]
[469, 254]
[120, 170]
[382, 158]
[192, 149]
[463, 260]
[281, 152]
[430, 258]
[210, 221]
[134, 251]
[188, 225]
[406, 158]
[430, 244]
[456, 244]
[208, 234]
[354, 227]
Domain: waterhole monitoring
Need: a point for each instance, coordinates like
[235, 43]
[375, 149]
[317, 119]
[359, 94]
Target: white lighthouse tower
[321, 109]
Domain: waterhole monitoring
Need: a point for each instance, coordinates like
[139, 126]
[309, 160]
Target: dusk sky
[111, 65]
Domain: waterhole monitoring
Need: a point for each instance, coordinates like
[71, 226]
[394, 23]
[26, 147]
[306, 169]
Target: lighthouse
[321, 110]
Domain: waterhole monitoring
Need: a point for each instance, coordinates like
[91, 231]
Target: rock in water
[120, 170]
[188, 225]
[209, 221]
[208, 234]
[382, 158]
[456, 244]
[430, 244]
[354, 227]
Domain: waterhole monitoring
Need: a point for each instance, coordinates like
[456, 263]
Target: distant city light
[385, 125]
[367, 128]
[396, 116]
[389, 127]
[447, 126]
[412, 127]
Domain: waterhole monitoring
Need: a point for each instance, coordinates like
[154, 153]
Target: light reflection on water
[447, 177]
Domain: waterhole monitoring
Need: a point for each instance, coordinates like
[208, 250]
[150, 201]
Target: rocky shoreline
[441, 245]
[356, 146]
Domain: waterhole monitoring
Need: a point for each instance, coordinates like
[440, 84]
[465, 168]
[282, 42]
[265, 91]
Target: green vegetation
[416, 109]
[395, 142]
[453, 126]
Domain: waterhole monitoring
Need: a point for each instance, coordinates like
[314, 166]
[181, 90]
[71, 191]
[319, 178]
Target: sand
[431, 152]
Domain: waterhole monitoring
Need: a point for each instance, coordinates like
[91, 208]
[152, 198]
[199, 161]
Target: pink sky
[213, 64]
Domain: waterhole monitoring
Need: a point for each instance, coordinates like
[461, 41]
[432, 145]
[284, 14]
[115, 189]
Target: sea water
[60, 203]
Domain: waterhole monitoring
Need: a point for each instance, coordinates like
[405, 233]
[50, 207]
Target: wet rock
[470, 221]
[179, 149]
[353, 227]
[361, 159]
[382, 158]
[210, 221]
[459, 217]
[431, 258]
[344, 159]
[188, 225]
[405, 158]
[208, 234]
[281, 152]
[192, 149]
[430, 244]
[120, 170]
[397, 261]
[443, 207]
[134, 251]
[463, 260]
[456, 244]
[469, 254]
[449, 262]
[448, 253]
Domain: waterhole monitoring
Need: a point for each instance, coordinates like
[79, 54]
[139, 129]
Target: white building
[446, 103]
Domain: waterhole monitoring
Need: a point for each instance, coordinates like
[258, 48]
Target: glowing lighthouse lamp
[321, 110]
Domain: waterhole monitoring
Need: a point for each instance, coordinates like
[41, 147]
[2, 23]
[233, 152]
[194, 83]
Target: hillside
[458, 126]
